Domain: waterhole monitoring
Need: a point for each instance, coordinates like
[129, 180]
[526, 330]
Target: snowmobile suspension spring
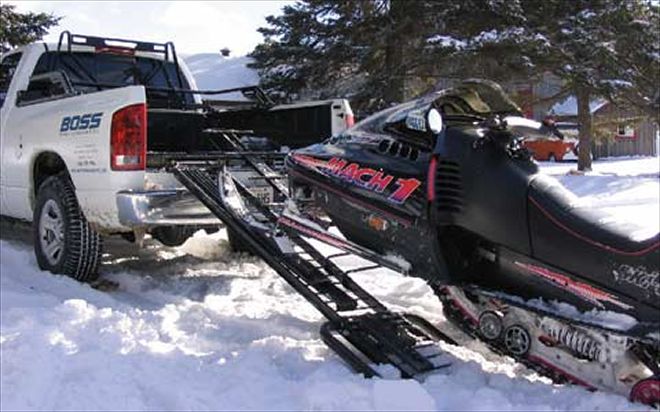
[576, 341]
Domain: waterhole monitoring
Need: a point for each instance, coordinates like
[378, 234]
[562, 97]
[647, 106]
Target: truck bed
[187, 131]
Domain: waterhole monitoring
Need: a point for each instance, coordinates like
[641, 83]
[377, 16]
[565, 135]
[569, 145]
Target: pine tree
[599, 48]
[607, 49]
[17, 29]
[604, 48]
[317, 47]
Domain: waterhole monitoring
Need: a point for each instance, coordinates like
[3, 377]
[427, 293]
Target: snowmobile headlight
[434, 120]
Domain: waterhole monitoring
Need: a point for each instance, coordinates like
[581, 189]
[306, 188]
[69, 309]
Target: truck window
[44, 87]
[7, 70]
[85, 69]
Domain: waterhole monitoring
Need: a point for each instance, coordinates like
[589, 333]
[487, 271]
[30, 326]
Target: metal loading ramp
[359, 328]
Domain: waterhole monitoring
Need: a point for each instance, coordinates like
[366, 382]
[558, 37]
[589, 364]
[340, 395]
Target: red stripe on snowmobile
[579, 289]
[400, 219]
[430, 188]
[456, 301]
[559, 370]
[313, 233]
[310, 161]
[591, 241]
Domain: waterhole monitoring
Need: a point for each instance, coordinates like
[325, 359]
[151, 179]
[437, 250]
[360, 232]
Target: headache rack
[110, 44]
[128, 47]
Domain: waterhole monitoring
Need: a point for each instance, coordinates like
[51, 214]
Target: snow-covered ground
[198, 327]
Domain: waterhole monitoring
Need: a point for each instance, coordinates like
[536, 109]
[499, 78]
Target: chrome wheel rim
[51, 232]
[517, 340]
[490, 325]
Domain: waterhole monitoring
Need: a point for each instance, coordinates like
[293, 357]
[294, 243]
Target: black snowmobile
[444, 184]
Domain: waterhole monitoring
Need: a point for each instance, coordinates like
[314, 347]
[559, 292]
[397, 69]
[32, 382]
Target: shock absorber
[575, 340]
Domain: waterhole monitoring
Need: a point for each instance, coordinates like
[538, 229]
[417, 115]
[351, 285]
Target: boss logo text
[87, 121]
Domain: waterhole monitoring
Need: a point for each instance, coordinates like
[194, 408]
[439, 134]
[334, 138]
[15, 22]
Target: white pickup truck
[85, 125]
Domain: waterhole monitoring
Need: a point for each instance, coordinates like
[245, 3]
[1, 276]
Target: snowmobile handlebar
[505, 131]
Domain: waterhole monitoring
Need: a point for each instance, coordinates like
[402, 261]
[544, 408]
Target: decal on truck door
[80, 123]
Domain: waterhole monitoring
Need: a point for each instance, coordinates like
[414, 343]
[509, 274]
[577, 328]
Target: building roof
[568, 107]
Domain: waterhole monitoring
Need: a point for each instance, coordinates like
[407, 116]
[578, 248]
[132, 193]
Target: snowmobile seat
[564, 229]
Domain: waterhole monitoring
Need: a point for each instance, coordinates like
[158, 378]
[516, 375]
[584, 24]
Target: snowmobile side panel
[493, 189]
[378, 202]
[596, 252]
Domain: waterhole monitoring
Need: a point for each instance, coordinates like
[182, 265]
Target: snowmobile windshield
[474, 97]
[408, 121]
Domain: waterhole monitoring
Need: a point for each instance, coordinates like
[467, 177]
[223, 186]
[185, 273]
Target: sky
[193, 26]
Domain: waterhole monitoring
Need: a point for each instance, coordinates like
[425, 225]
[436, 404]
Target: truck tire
[236, 244]
[172, 236]
[64, 242]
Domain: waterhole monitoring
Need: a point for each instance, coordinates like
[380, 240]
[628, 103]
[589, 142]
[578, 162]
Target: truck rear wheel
[172, 236]
[64, 242]
[237, 244]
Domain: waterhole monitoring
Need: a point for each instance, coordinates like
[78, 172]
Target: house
[617, 130]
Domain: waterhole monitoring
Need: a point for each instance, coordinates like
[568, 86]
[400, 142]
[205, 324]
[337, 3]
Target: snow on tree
[373, 48]
[315, 45]
[598, 48]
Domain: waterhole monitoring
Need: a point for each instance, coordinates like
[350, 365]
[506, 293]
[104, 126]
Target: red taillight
[350, 120]
[123, 51]
[128, 138]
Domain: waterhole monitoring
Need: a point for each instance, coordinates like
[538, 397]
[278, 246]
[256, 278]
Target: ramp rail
[359, 328]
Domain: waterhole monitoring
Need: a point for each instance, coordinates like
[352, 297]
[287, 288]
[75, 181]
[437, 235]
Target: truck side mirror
[45, 86]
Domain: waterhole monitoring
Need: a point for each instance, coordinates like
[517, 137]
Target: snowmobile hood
[473, 97]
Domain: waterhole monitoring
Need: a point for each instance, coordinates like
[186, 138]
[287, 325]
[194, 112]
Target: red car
[549, 149]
